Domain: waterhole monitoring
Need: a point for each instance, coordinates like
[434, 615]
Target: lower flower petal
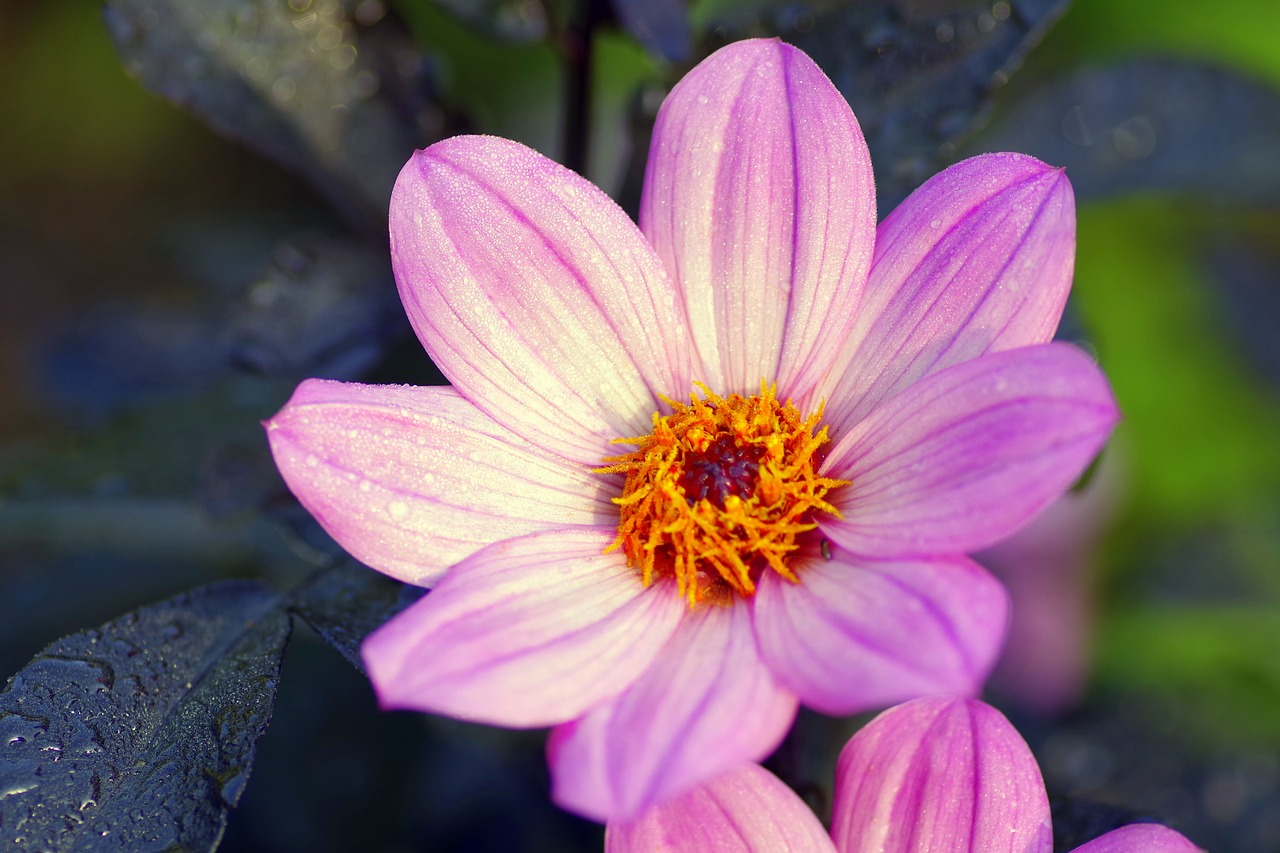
[706, 705]
[940, 773]
[746, 810]
[968, 455]
[411, 480]
[1140, 838]
[528, 632]
[856, 635]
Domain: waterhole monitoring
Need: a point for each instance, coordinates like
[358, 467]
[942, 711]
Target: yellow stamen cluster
[719, 491]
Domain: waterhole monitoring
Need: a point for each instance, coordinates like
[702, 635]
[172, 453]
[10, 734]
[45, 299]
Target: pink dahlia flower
[691, 473]
[942, 774]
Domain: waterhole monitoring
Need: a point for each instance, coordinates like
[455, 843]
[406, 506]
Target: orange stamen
[719, 492]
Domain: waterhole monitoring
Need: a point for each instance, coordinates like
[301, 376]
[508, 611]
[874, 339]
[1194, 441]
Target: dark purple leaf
[333, 91]
[139, 735]
[662, 26]
[1151, 124]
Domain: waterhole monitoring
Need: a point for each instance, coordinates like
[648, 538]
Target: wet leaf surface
[331, 91]
[1152, 123]
[919, 74]
[345, 603]
[140, 735]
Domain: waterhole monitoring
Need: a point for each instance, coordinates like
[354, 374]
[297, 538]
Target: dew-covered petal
[1140, 838]
[970, 454]
[706, 705]
[525, 633]
[535, 294]
[978, 259]
[854, 635]
[760, 200]
[941, 773]
[746, 810]
[410, 480]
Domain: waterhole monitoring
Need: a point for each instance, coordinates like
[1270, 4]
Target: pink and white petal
[854, 635]
[968, 455]
[979, 259]
[745, 810]
[536, 295]
[760, 200]
[940, 773]
[706, 705]
[528, 632]
[410, 480]
[1140, 838]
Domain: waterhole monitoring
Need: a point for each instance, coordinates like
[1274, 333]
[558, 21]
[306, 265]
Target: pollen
[722, 490]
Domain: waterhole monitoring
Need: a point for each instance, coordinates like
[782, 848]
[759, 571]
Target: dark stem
[574, 44]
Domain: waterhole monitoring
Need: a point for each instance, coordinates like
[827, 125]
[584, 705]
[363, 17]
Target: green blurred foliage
[71, 113]
[1200, 430]
[1241, 33]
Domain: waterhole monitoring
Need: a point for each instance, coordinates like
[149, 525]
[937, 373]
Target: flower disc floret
[721, 490]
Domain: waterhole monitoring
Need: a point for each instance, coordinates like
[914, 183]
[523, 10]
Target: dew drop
[398, 509]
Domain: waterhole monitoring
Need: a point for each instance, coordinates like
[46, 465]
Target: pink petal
[528, 632]
[977, 260]
[944, 774]
[855, 635]
[966, 456]
[411, 480]
[760, 200]
[1140, 838]
[746, 810]
[708, 704]
[536, 295]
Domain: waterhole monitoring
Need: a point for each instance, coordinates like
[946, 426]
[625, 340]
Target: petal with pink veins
[410, 480]
[536, 295]
[978, 259]
[1140, 838]
[708, 704]
[760, 200]
[745, 810]
[854, 635]
[940, 773]
[525, 633]
[967, 456]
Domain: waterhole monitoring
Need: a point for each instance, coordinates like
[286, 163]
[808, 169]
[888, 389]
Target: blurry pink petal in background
[939, 774]
[670, 447]
[1047, 567]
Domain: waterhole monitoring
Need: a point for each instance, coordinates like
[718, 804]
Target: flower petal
[1140, 838]
[707, 704]
[855, 635]
[746, 810]
[535, 294]
[528, 632]
[966, 456]
[760, 200]
[411, 480]
[940, 773]
[978, 259]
